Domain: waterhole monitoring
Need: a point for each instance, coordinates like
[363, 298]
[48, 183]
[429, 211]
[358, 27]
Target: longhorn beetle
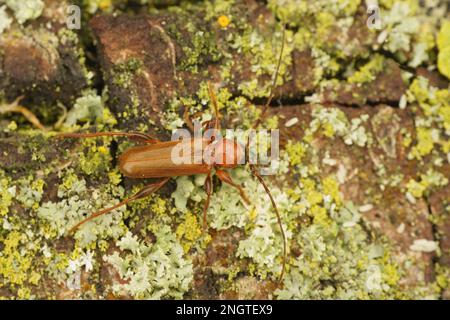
[154, 160]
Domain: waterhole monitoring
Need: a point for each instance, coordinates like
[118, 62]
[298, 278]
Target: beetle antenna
[272, 88]
[274, 80]
[253, 168]
[213, 98]
[283, 235]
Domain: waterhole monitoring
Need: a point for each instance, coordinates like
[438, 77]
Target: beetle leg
[210, 124]
[146, 191]
[136, 136]
[208, 190]
[225, 177]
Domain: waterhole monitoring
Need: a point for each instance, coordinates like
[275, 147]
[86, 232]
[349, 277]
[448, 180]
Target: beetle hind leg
[144, 192]
[208, 190]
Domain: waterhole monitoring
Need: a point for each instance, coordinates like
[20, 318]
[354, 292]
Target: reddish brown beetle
[154, 160]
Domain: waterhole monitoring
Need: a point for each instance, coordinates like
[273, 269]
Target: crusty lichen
[75, 205]
[7, 193]
[333, 121]
[26, 9]
[443, 43]
[431, 179]
[5, 20]
[432, 120]
[151, 271]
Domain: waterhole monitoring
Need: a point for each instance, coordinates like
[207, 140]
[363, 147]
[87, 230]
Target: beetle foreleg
[225, 177]
[146, 191]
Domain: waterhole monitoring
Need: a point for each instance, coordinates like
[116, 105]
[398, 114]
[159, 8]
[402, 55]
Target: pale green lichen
[433, 119]
[432, 179]
[334, 122]
[186, 189]
[77, 202]
[227, 208]
[30, 191]
[339, 261]
[295, 12]
[264, 55]
[151, 271]
[357, 133]
[5, 20]
[87, 108]
[263, 243]
[331, 120]
[400, 25]
[26, 9]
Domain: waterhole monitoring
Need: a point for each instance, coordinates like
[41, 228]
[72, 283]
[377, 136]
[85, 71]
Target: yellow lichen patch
[103, 245]
[34, 278]
[431, 179]
[326, 21]
[105, 4]
[415, 188]
[328, 130]
[444, 61]
[296, 152]
[331, 188]
[37, 186]
[223, 21]
[390, 274]
[252, 214]
[159, 206]
[6, 195]
[320, 216]
[189, 231]
[310, 193]
[114, 177]
[96, 158]
[368, 72]
[425, 142]
[14, 264]
[443, 42]
[102, 149]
